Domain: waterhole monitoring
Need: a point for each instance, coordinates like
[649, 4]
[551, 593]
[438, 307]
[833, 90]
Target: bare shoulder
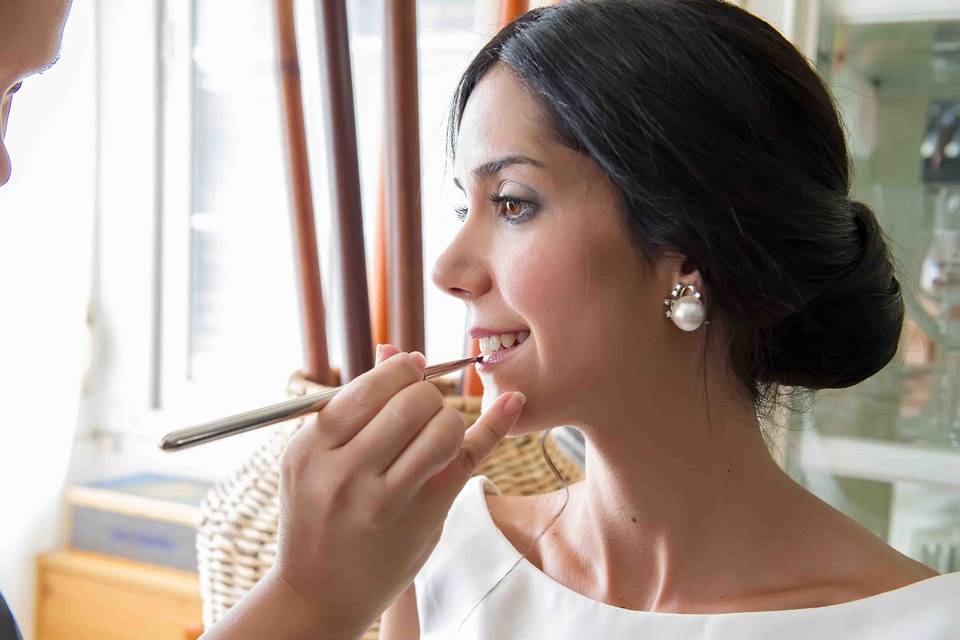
[883, 568]
[843, 590]
[853, 562]
[400, 621]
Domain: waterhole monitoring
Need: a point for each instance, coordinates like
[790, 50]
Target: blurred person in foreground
[30, 35]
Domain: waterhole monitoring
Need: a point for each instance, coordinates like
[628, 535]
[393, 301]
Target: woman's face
[564, 269]
[30, 34]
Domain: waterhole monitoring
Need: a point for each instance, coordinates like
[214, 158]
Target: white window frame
[145, 95]
[146, 181]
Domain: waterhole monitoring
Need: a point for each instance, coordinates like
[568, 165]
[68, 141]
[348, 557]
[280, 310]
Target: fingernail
[379, 349]
[515, 403]
[420, 358]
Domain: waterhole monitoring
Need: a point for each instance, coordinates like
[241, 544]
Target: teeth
[491, 344]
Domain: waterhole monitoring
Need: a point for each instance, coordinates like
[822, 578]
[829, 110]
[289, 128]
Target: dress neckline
[480, 480]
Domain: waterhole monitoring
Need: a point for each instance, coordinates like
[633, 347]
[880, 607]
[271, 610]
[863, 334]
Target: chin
[526, 424]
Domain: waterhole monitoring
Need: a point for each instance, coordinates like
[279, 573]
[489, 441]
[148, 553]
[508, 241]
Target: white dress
[473, 554]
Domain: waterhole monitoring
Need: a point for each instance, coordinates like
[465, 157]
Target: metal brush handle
[286, 410]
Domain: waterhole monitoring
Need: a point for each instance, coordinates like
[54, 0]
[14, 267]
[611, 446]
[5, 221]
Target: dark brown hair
[724, 144]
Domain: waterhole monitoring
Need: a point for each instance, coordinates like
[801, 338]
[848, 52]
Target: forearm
[273, 609]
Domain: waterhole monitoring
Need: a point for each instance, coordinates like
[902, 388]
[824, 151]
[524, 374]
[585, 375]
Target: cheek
[543, 281]
[553, 287]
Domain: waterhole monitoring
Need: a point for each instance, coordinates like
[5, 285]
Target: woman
[620, 160]
[30, 36]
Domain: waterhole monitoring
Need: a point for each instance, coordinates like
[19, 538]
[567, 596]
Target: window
[241, 298]
[241, 325]
[212, 295]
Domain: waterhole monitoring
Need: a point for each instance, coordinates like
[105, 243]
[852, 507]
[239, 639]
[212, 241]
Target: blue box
[144, 517]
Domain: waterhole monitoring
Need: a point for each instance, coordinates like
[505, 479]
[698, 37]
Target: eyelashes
[526, 209]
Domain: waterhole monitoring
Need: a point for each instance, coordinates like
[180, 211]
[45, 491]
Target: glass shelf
[881, 451]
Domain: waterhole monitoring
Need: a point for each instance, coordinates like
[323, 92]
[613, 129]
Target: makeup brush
[280, 412]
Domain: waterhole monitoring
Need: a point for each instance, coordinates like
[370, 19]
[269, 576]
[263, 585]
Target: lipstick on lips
[497, 344]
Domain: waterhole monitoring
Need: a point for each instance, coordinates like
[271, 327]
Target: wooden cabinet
[85, 596]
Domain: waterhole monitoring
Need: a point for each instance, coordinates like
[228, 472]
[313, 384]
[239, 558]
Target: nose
[460, 271]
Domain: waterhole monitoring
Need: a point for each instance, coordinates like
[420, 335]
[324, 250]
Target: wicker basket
[237, 536]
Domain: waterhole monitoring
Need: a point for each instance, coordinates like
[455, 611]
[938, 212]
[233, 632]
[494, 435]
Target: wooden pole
[312, 314]
[341, 134]
[402, 176]
[510, 9]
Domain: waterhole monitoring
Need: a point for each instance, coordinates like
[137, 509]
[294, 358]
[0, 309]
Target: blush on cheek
[548, 291]
[538, 282]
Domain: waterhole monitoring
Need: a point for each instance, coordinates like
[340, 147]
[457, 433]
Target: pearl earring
[686, 311]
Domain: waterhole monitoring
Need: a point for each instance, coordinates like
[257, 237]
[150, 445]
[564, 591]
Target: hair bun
[850, 326]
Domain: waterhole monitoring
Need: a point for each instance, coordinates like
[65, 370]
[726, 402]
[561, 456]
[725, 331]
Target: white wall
[46, 219]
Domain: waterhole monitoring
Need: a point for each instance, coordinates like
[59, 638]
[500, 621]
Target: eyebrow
[491, 167]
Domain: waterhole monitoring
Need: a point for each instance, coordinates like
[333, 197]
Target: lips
[497, 357]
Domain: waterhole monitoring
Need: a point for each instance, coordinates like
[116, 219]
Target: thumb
[486, 433]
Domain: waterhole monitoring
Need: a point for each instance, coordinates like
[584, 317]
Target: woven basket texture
[237, 535]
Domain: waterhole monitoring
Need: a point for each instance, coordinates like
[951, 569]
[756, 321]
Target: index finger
[363, 398]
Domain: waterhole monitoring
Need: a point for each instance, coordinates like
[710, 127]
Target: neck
[687, 502]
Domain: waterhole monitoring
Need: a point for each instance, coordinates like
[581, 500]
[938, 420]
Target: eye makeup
[512, 208]
[522, 211]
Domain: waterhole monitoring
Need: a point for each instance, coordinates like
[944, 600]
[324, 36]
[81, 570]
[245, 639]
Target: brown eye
[513, 208]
